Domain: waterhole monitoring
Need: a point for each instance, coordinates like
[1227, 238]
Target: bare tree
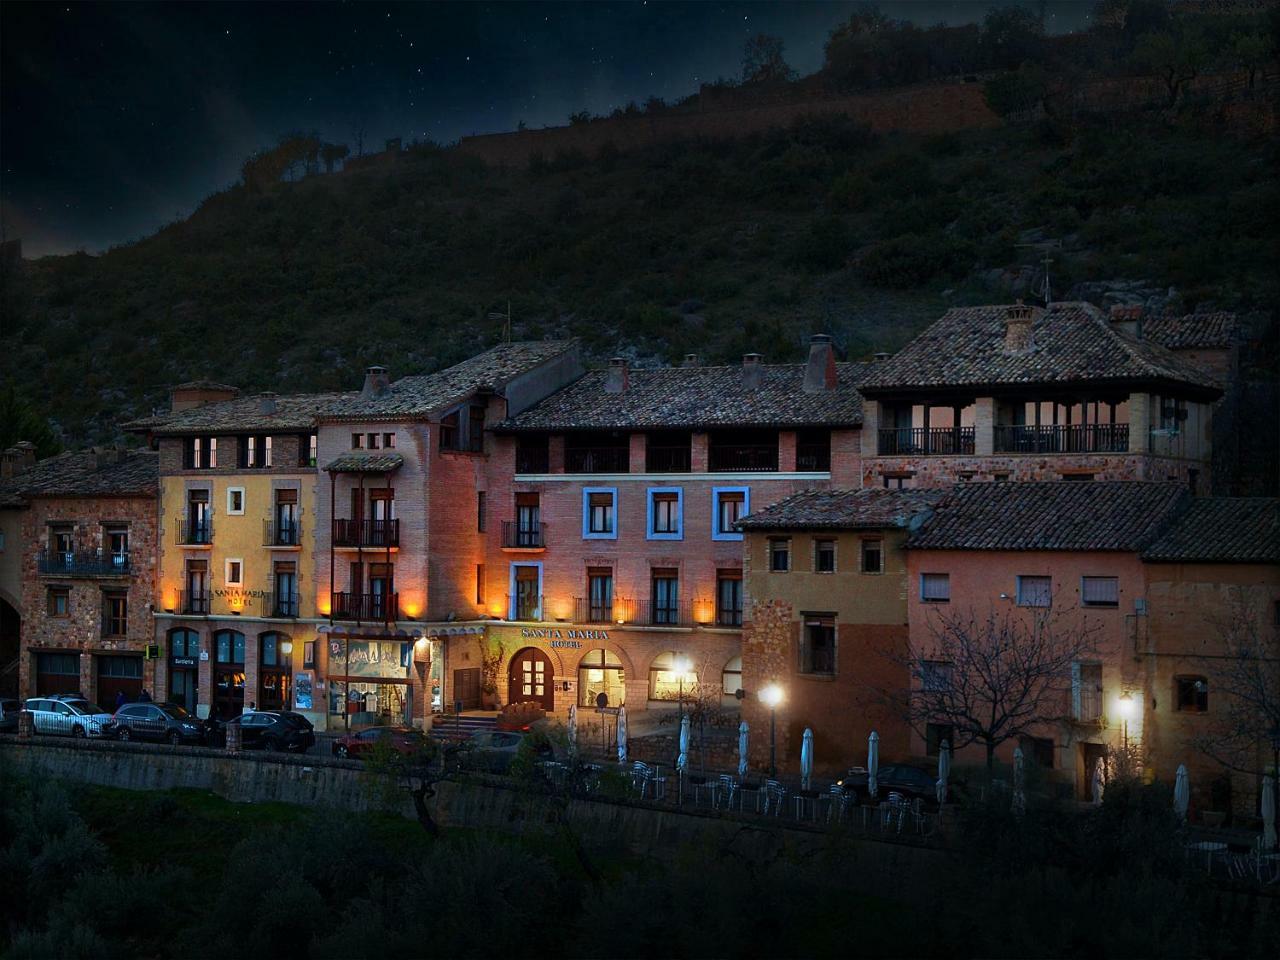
[763, 61]
[992, 678]
[1243, 733]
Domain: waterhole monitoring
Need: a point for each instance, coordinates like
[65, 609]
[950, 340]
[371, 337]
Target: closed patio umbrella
[1269, 812]
[622, 734]
[573, 726]
[743, 732]
[944, 770]
[1181, 792]
[682, 761]
[806, 759]
[1019, 788]
[1097, 785]
[873, 763]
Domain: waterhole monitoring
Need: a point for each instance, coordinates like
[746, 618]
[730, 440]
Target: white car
[67, 716]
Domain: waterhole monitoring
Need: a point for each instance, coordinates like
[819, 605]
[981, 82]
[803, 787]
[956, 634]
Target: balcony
[626, 611]
[283, 605]
[90, 564]
[597, 459]
[517, 536]
[813, 457]
[374, 534]
[533, 459]
[526, 606]
[195, 531]
[1077, 438]
[933, 441]
[743, 457]
[668, 459]
[194, 602]
[281, 534]
[377, 607]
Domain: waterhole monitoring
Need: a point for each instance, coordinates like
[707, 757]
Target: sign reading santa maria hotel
[509, 529]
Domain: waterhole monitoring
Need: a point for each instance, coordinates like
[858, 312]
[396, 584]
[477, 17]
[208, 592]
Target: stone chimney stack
[1127, 319]
[820, 372]
[1017, 328]
[690, 360]
[267, 403]
[752, 370]
[186, 396]
[880, 357]
[377, 383]
[19, 458]
[106, 456]
[616, 377]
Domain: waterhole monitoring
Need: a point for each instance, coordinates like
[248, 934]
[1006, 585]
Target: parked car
[281, 730]
[403, 740]
[68, 715]
[9, 710]
[493, 751]
[156, 721]
[897, 777]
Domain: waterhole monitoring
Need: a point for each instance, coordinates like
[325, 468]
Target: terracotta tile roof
[1195, 330]
[292, 413]
[1222, 530]
[1055, 515]
[81, 474]
[1070, 343]
[693, 397]
[872, 508]
[366, 463]
[420, 396]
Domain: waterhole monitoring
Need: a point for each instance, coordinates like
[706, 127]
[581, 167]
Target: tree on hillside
[1176, 57]
[1252, 51]
[991, 679]
[1011, 36]
[20, 421]
[763, 62]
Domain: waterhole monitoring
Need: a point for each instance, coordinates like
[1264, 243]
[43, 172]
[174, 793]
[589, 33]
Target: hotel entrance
[530, 679]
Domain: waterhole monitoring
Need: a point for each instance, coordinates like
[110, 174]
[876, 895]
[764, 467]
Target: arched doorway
[530, 679]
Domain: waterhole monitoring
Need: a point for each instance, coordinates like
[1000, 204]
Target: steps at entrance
[449, 726]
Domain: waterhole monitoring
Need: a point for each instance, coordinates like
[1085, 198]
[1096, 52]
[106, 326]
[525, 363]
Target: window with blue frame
[600, 513]
[665, 513]
[728, 506]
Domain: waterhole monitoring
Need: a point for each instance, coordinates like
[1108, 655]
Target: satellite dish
[602, 700]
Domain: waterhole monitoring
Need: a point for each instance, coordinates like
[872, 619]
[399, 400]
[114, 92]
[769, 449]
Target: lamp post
[1275, 767]
[771, 696]
[1125, 705]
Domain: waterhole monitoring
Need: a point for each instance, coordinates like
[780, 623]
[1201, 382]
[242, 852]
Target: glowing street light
[1126, 706]
[771, 696]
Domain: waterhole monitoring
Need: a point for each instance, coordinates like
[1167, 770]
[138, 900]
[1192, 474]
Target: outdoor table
[1208, 848]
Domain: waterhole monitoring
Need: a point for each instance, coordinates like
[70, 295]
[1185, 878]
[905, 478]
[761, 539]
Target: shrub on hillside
[913, 259]
[825, 245]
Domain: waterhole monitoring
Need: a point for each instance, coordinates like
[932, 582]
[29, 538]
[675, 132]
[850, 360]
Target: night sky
[118, 118]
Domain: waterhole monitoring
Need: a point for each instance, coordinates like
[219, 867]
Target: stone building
[88, 570]
[1025, 393]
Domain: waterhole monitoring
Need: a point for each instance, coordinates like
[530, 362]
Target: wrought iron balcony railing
[516, 535]
[934, 441]
[275, 534]
[376, 534]
[87, 564]
[375, 607]
[1060, 438]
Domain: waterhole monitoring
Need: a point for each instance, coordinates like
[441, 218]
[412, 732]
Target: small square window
[374, 441]
[780, 555]
[235, 573]
[389, 441]
[935, 676]
[872, 556]
[935, 587]
[818, 645]
[357, 441]
[1100, 591]
[1035, 591]
[728, 506]
[59, 602]
[235, 500]
[1191, 695]
[599, 513]
[824, 556]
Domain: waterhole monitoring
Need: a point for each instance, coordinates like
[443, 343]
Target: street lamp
[771, 697]
[1125, 705]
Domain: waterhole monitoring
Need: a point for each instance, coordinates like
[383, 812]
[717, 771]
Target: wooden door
[531, 678]
[466, 687]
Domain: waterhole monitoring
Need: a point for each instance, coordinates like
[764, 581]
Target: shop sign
[370, 658]
[237, 597]
[184, 661]
[569, 639]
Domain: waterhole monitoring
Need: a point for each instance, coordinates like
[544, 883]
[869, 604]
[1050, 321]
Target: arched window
[731, 679]
[600, 671]
[184, 644]
[667, 681]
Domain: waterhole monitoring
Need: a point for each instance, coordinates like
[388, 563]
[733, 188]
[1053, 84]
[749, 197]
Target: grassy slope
[712, 248]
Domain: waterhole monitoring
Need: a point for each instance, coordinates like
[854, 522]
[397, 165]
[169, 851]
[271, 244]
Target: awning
[366, 463]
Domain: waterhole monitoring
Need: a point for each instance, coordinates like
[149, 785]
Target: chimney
[690, 360]
[376, 383]
[615, 378]
[1017, 328]
[19, 458]
[106, 456]
[1127, 319]
[752, 371]
[197, 393]
[267, 403]
[880, 357]
[820, 372]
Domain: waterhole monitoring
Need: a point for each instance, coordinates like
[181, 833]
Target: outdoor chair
[724, 785]
[641, 775]
[775, 794]
[701, 785]
[752, 789]
[835, 800]
[806, 801]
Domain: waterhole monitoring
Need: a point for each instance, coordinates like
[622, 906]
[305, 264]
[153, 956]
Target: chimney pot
[616, 377]
[1017, 328]
[752, 371]
[820, 371]
[376, 383]
[17, 459]
[690, 360]
[881, 357]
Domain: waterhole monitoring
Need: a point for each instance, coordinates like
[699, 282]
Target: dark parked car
[156, 721]
[274, 730]
[493, 751]
[896, 777]
[405, 741]
[9, 710]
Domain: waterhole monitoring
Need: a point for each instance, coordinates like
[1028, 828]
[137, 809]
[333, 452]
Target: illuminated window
[600, 671]
[666, 682]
